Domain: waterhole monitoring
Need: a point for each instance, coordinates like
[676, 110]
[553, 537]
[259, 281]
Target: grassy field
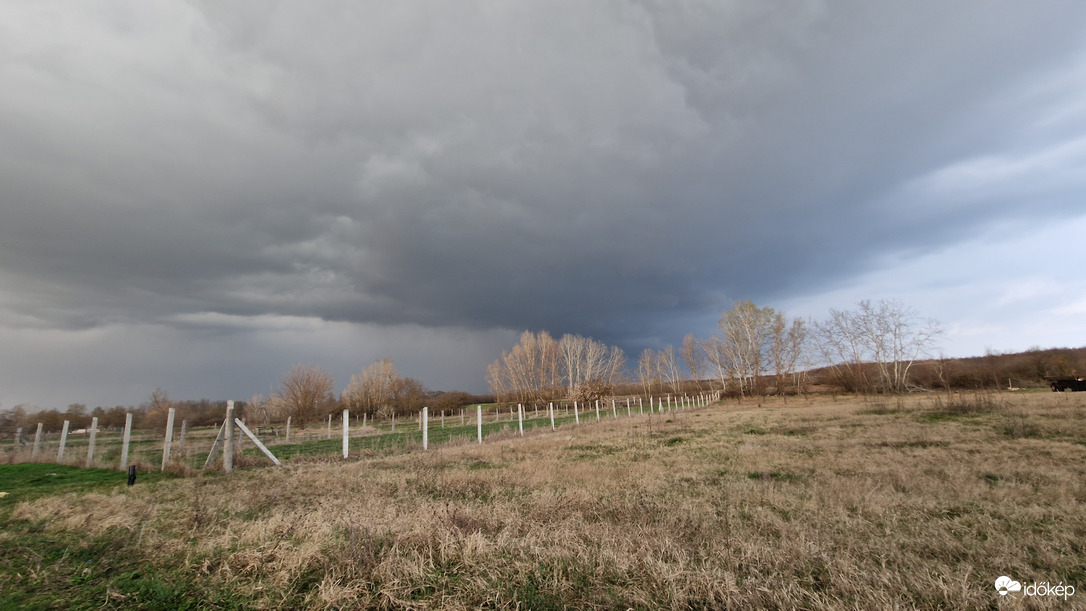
[919, 502]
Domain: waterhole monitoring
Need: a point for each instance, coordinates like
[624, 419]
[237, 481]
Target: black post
[131, 474]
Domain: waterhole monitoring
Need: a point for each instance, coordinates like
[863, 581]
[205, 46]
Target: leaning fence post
[640, 406]
[37, 443]
[424, 421]
[169, 437]
[63, 440]
[551, 410]
[346, 438]
[90, 445]
[479, 421]
[576, 414]
[125, 440]
[181, 438]
[614, 410]
[228, 438]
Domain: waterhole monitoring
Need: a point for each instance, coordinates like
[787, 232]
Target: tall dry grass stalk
[816, 505]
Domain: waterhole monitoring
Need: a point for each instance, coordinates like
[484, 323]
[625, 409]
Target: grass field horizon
[820, 503]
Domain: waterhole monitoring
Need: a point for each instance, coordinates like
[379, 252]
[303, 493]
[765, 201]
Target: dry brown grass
[817, 505]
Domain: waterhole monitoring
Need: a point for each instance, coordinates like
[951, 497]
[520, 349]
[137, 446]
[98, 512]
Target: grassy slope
[821, 505]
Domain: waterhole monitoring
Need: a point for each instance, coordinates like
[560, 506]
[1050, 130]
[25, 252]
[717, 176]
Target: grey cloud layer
[599, 168]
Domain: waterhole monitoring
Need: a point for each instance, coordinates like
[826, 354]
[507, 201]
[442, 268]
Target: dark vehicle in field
[1066, 383]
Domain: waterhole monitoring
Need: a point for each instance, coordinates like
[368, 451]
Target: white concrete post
[63, 441]
[520, 418]
[576, 414]
[18, 440]
[597, 410]
[228, 438]
[181, 438]
[442, 418]
[37, 443]
[125, 439]
[552, 416]
[629, 414]
[170, 415]
[346, 433]
[479, 421]
[329, 433]
[288, 429]
[425, 427]
[614, 410]
[640, 406]
[90, 445]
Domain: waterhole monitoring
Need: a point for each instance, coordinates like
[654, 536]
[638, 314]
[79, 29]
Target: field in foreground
[849, 504]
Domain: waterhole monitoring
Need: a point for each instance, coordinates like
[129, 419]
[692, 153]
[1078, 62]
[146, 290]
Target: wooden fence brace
[125, 440]
[37, 443]
[90, 444]
[63, 441]
[170, 415]
[256, 441]
[346, 437]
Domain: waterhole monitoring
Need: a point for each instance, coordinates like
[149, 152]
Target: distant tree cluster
[539, 368]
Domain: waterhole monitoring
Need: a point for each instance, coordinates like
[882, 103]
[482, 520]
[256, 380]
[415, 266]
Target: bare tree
[538, 367]
[648, 371]
[693, 354]
[669, 368]
[788, 344]
[748, 331]
[307, 392]
[887, 335]
[719, 357]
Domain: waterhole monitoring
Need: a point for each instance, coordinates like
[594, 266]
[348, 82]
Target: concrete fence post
[479, 421]
[37, 443]
[228, 438]
[126, 439]
[576, 414]
[551, 409]
[90, 444]
[170, 415]
[520, 418]
[425, 427]
[346, 433]
[63, 441]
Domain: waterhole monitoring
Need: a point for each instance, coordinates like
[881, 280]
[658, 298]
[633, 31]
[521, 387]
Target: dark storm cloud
[613, 168]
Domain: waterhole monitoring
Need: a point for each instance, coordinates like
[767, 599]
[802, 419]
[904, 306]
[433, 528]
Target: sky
[195, 196]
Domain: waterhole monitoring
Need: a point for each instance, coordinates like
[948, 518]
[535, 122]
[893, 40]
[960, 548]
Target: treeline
[874, 348]
[150, 414]
[305, 395]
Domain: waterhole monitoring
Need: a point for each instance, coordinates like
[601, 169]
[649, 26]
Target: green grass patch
[28, 481]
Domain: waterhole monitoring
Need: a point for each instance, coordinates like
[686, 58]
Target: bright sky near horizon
[198, 195]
